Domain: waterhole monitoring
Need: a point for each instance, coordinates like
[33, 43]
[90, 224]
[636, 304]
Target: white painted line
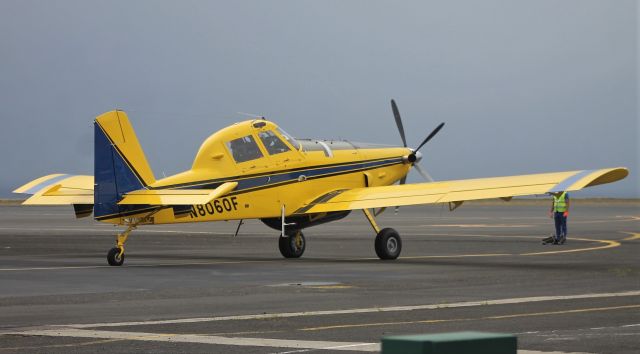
[300, 345]
[134, 265]
[538, 352]
[203, 339]
[519, 300]
[114, 230]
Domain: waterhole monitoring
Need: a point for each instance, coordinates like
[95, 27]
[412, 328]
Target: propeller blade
[396, 115]
[423, 172]
[433, 133]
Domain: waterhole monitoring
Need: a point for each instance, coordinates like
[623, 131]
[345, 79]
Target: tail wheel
[114, 257]
[388, 244]
[292, 245]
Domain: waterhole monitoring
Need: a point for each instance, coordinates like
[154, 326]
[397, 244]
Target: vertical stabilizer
[119, 163]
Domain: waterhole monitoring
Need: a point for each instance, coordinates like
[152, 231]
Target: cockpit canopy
[244, 142]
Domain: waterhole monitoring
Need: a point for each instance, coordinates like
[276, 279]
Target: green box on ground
[451, 343]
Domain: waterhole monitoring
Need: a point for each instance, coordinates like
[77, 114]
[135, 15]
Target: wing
[461, 190]
[59, 189]
[177, 196]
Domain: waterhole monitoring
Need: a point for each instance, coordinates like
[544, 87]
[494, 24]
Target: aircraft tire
[388, 244]
[288, 247]
[114, 258]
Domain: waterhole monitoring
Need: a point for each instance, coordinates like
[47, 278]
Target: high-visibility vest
[560, 203]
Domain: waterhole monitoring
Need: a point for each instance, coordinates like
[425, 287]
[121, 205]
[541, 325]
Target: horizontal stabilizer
[58, 189]
[176, 196]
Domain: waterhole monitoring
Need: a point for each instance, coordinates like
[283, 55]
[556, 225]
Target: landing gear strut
[115, 256]
[292, 244]
[388, 244]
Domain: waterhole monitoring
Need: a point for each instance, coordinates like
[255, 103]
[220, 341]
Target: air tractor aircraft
[255, 170]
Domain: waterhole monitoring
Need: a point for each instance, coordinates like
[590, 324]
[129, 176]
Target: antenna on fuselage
[252, 115]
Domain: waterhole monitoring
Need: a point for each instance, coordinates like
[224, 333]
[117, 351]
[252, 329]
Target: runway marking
[520, 315]
[300, 345]
[608, 244]
[132, 265]
[83, 344]
[510, 301]
[634, 236]
[114, 230]
[458, 256]
[479, 225]
[539, 352]
[204, 339]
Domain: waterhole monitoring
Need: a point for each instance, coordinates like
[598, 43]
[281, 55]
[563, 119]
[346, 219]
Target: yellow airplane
[255, 170]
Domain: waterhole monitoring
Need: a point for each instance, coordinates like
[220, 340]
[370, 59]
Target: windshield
[272, 143]
[290, 139]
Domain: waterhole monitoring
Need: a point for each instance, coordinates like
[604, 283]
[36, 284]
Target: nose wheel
[292, 245]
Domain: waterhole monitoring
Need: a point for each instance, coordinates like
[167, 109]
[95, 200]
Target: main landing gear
[115, 256]
[292, 244]
[388, 244]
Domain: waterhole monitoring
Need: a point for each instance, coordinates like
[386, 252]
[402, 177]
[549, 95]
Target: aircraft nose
[413, 157]
[418, 156]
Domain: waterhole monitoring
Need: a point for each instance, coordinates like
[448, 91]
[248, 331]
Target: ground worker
[560, 212]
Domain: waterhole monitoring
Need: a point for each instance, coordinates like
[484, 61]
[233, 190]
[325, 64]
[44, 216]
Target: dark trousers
[561, 225]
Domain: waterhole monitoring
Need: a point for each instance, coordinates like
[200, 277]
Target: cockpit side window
[290, 139]
[272, 143]
[244, 149]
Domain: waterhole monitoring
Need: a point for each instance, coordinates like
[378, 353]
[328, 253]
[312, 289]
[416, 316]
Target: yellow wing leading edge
[461, 190]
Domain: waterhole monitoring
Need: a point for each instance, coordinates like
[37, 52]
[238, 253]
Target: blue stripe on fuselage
[266, 180]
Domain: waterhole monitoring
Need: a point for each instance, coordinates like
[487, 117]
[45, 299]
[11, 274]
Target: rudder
[120, 165]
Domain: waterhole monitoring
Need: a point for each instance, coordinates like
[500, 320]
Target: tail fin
[119, 163]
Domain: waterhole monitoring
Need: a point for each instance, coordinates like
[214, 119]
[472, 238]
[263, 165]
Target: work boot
[548, 240]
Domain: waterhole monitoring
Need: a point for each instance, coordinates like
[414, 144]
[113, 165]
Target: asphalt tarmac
[196, 288]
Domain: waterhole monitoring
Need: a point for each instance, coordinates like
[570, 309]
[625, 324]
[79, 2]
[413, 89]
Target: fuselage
[273, 170]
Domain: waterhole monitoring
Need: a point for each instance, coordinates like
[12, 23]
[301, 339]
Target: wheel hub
[392, 244]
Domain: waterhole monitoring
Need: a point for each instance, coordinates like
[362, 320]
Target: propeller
[415, 156]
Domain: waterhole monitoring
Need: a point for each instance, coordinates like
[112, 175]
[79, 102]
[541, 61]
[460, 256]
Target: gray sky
[523, 86]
